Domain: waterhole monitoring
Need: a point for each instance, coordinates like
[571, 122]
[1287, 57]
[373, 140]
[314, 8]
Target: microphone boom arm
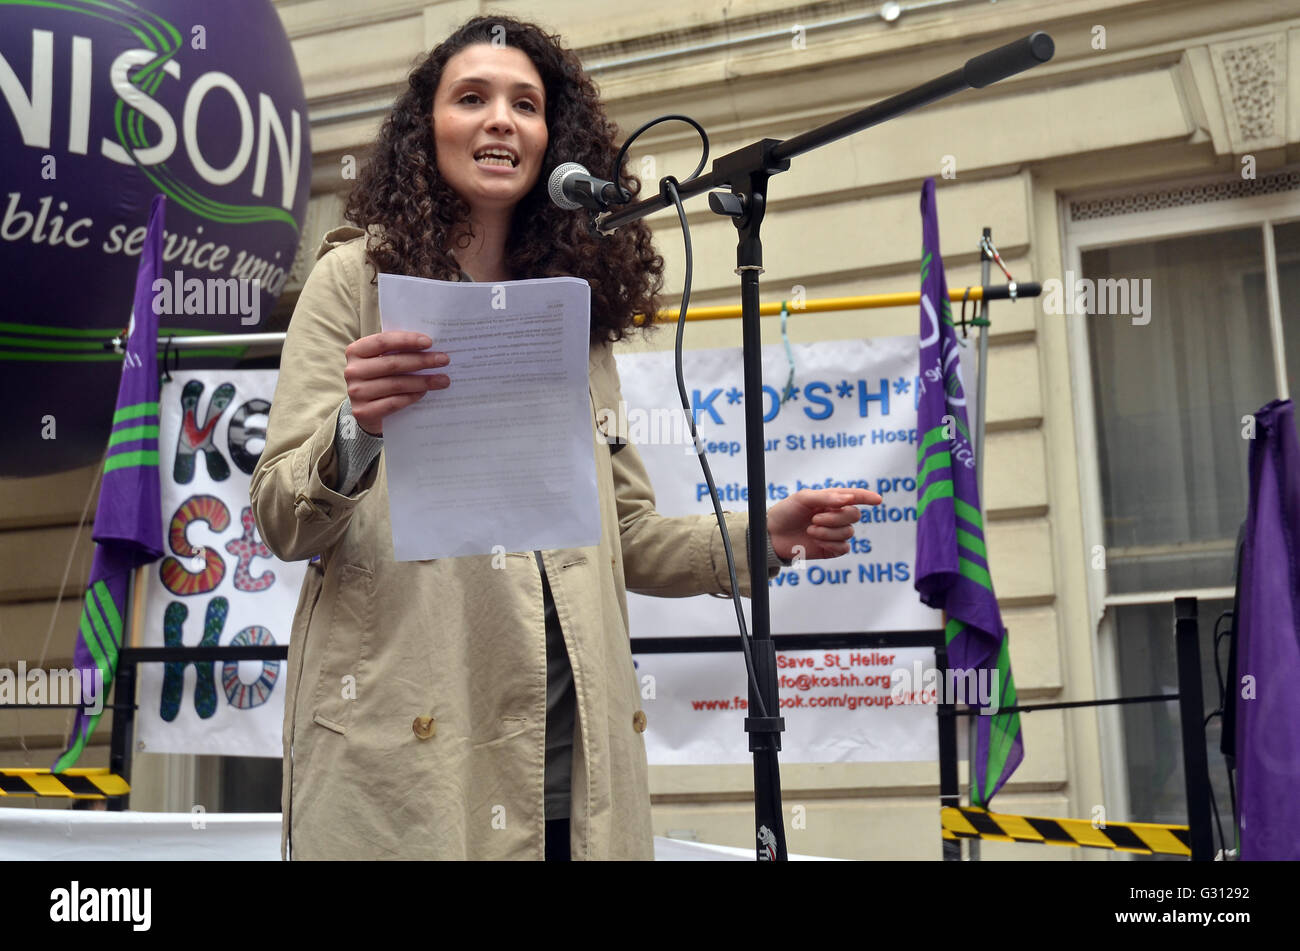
[728, 170]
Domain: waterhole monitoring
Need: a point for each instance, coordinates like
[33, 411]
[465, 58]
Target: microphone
[571, 187]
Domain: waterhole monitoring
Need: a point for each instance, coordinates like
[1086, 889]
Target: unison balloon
[103, 104]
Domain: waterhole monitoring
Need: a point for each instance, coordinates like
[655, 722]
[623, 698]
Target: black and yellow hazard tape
[70, 784]
[1142, 838]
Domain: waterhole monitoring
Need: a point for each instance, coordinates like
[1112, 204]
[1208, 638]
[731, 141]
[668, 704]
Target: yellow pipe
[903, 299]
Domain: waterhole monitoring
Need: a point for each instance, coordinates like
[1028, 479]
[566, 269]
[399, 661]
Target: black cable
[1214, 803]
[1218, 712]
[624, 195]
[1218, 674]
[670, 186]
[1218, 824]
[1223, 700]
[1232, 801]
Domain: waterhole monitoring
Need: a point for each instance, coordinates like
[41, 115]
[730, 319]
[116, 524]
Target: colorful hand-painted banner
[849, 420]
[218, 583]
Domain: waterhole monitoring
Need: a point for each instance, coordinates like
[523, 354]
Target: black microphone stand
[745, 172]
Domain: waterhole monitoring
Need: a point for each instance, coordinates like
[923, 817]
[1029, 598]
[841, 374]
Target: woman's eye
[477, 99]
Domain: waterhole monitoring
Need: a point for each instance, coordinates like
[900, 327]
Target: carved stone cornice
[1251, 74]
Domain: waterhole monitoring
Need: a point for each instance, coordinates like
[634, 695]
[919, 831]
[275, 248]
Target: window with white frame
[1192, 302]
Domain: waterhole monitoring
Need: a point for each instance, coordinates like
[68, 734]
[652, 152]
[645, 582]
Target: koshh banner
[103, 104]
[838, 413]
[217, 584]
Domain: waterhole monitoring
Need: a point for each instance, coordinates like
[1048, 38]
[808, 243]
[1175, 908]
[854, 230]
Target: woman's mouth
[496, 157]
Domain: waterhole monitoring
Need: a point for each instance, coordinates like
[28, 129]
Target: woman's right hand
[381, 377]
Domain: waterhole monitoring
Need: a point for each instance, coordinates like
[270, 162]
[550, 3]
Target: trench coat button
[424, 727]
[307, 508]
[638, 721]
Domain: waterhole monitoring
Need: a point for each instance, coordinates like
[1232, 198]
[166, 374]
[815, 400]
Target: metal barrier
[1143, 838]
[1196, 771]
[1194, 840]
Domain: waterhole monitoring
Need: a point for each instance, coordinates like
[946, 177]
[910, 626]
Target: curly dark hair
[401, 191]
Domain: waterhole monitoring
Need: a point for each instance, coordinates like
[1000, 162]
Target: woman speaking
[475, 707]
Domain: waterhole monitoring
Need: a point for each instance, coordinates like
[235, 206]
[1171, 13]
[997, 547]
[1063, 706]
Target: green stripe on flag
[1005, 727]
[1007, 682]
[132, 433]
[110, 610]
[961, 427]
[971, 543]
[134, 411]
[101, 629]
[937, 490]
[92, 642]
[952, 629]
[969, 513]
[74, 752]
[123, 460]
[974, 572]
[929, 439]
[939, 460]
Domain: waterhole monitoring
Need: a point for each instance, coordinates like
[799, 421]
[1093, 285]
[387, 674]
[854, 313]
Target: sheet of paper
[502, 460]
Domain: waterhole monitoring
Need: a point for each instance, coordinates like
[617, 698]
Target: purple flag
[128, 520]
[1268, 644]
[952, 571]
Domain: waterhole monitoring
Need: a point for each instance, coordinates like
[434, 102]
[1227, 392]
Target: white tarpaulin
[218, 583]
[850, 420]
[63, 835]
[60, 835]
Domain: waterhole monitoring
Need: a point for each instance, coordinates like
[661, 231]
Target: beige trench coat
[415, 703]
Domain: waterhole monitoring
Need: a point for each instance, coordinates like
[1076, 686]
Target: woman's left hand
[820, 521]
